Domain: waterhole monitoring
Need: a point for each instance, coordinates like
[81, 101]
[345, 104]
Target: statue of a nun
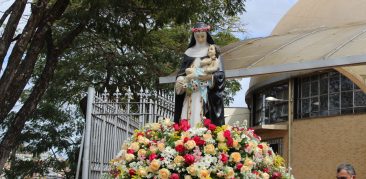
[200, 81]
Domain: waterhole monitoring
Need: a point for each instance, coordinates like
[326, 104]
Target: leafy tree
[111, 43]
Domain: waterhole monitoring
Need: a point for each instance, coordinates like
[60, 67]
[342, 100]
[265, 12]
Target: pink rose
[180, 148]
[174, 176]
[198, 141]
[207, 122]
[266, 170]
[211, 127]
[132, 172]
[224, 158]
[153, 156]
[230, 142]
[238, 166]
[189, 159]
[184, 125]
[130, 151]
[227, 134]
[276, 175]
[176, 127]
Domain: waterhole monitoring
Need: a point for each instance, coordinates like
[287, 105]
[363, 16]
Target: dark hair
[348, 167]
[193, 40]
[209, 37]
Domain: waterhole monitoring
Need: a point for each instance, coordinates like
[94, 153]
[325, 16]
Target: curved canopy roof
[329, 41]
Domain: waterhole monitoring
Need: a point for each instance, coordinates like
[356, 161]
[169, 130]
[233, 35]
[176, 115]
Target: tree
[110, 27]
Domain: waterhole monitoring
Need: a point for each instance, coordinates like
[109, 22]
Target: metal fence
[110, 119]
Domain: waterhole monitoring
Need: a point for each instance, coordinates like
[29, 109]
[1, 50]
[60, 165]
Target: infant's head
[211, 51]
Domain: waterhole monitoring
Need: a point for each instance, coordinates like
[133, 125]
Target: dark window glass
[305, 90]
[360, 98]
[314, 88]
[323, 103]
[346, 84]
[305, 79]
[334, 112]
[305, 105]
[333, 74]
[347, 99]
[324, 86]
[324, 75]
[314, 78]
[360, 110]
[347, 111]
[333, 85]
[334, 101]
[314, 104]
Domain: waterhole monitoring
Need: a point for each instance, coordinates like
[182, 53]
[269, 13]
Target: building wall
[235, 115]
[320, 144]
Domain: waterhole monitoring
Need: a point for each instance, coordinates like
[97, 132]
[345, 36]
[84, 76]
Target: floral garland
[175, 151]
[201, 29]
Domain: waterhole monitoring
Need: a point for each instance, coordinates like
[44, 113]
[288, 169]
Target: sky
[260, 18]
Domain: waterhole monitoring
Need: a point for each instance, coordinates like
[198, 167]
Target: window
[269, 112]
[328, 94]
[276, 145]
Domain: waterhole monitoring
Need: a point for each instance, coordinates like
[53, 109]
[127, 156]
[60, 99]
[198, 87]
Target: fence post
[89, 108]
[141, 115]
[129, 96]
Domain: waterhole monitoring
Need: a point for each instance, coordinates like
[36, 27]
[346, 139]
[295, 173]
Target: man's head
[345, 171]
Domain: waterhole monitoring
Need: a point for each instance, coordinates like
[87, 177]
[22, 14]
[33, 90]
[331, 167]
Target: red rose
[176, 127]
[198, 141]
[174, 176]
[180, 148]
[260, 146]
[239, 165]
[269, 152]
[130, 151]
[161, 158]
[153, 156]
[266, 170]
[276, 175]
[207, 122]
[132, 172]
[230, 142]
[224, 158]
[189, 159]
[255, 172]
[184, 125]
[185, 139]
[227, 134]
[211, 127]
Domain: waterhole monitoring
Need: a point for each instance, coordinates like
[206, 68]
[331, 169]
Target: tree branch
[11, 26]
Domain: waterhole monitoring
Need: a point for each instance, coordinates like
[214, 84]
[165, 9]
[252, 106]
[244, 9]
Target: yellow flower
[244, 169]
[190, 144]
[184, 135]
[178, 142]
[220, 136]
[129, 157]
[135, 146]
[153, 149]
[154, 165]
[164, 173]
[204, 174]
[248, 162]
[207, 137]
[191, 170]
[178, 160]
[222, 146]
[235, 157]
[143, 140]
[224, 127]
[210, 149]
[229, 173]
[142, 172]
[161, 146]
[141, 152]
[278, 161]
[155, 126]
[236, 144]
[167, 122]
[265, 176]
[187, 177]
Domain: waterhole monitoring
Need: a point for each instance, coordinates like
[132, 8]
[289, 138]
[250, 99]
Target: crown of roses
[201, 29]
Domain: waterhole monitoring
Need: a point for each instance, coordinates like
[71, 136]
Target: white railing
[111, 119]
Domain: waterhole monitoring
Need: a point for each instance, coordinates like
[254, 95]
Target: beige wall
[237, 114]
[319, 145]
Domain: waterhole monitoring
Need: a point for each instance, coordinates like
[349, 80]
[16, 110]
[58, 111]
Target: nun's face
[200, 37]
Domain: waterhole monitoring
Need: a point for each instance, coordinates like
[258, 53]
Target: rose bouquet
[176, 151]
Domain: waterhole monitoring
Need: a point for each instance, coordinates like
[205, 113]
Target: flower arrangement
[176, 151]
